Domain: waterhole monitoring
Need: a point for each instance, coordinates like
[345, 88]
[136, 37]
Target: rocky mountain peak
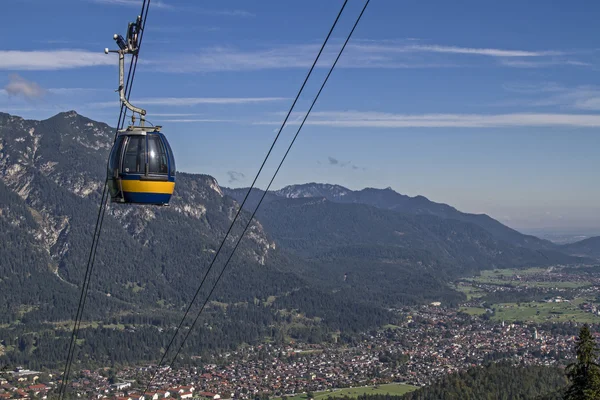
[65, 156]
[312, 190]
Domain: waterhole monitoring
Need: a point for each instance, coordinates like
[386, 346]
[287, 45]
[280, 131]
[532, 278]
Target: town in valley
[538, 328]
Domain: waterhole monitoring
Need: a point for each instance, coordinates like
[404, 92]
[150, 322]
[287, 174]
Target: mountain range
[589, 247]
[318, 262]
[388, 199]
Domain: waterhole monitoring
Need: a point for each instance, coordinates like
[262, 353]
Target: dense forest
[495, 381]
[499, 381]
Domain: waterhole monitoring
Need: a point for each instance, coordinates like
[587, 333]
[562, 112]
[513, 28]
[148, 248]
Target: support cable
[264, 193]
[246, 197]
[99, 222]
[270, 183]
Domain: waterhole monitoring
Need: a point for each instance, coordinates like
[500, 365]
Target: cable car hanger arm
[121, 90]
[129, 46]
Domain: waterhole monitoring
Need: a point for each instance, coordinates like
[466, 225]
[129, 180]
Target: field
[500, 277]
[390, 388]
[561, 295]
[544, 312]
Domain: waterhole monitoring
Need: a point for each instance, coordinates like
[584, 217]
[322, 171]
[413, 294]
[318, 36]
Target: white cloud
[529, 88]
[170, 29]
[52, 59]
[169, 6]
[357, 119]
[549, 94]
[229, 13]
[19, 86]
[542, 64]
[134, 3]
[408, 47]
[174, 115]
[72, 91]
[55, 41]
[196, 120]
[221, 58]
[358, 54]
[224, 59]
[592, 103]
[484, 51]
[192, 101]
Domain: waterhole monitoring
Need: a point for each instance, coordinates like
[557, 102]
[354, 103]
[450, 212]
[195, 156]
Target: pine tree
[584, 374]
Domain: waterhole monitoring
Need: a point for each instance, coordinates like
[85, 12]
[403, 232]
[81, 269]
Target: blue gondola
[141, 168]
[141, 165]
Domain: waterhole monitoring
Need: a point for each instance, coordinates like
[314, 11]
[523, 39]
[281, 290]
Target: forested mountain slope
[496, 381]
[149, 263]
[589, 247]
[388, 199]
[147, 254]
[386, 255]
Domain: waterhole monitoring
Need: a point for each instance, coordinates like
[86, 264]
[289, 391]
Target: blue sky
[488, 106]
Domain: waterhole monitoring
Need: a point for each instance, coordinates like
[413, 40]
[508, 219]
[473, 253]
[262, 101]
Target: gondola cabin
[141, 167]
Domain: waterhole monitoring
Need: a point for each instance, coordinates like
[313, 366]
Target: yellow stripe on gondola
[148, 186]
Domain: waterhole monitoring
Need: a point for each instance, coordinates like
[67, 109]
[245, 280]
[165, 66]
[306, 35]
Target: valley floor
[429, 343]
[540, 295]
[529, 317]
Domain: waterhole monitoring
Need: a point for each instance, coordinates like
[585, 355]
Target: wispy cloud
[183, 29]
[220, 58]
[134, 3]
[186, 121]
[358, 119]
[590, 104]
[174, 115]
[530, 88]
[360, 54]
[193, 101]
[363, 54]
[332, 161]
[235, 176]
[335, 161]
[483, 51]
[372, 119]
[543, 64]
[169, 5]
[343, 164]
[17, 110]
[55, 41]
[19, 86]
[229, 13]
[52, 59]
[76, 90]
[549, 94]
